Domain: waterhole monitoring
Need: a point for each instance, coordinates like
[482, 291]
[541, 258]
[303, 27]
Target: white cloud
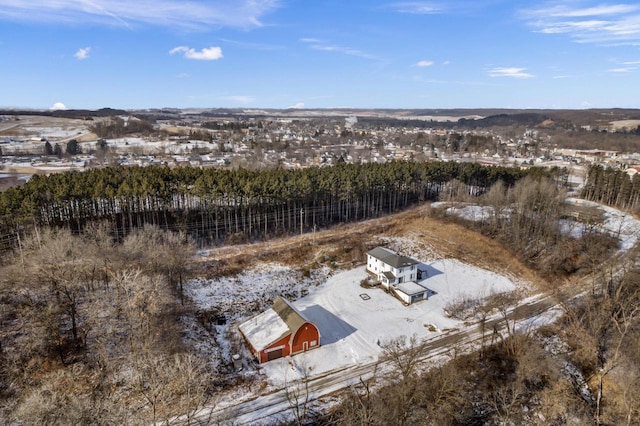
[192, 14]
[212, 53]
[622, 70]
[241, 99]
[417, 7]
[58, 106]
[588, 22]
[299, 105]
[82, 53]
[446, 62]
[254, 46]
[317, 44]
[424, 64]
[509, 72]
[344, 50]
[565, 11]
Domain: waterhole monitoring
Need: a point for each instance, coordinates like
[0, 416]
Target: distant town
[43, 142]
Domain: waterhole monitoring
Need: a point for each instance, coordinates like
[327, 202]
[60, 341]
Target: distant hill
[67, 113]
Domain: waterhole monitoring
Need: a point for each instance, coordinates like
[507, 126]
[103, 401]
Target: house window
[314, 343]
[413, 267]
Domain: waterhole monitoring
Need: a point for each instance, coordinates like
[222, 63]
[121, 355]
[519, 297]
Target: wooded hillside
[213, 205]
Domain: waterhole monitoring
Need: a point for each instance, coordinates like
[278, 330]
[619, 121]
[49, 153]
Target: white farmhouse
[391, 268]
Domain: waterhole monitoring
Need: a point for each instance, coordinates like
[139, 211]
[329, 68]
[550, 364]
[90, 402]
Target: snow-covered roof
[392, 259]
[273, 324]
[410, 288]
[264, 329]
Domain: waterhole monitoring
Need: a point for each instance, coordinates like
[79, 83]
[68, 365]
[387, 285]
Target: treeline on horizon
[213, 205]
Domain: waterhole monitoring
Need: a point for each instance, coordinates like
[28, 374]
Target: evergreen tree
[73, 147]
[57, 151]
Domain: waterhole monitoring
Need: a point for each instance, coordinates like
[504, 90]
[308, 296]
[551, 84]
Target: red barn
[279, 331]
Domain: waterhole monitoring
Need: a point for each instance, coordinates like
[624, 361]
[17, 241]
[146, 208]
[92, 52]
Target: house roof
[410, 288]
[277, 322]
[392, 259]
[389, 275]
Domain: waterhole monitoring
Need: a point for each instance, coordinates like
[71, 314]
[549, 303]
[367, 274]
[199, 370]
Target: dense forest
[214, 205]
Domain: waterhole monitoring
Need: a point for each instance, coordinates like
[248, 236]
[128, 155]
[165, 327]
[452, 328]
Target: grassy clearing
[345, 246]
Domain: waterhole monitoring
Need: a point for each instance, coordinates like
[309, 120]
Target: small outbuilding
[279, 331]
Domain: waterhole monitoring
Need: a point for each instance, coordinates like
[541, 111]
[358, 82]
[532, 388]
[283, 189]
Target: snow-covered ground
[472, 212]
[617, 223]
[353, 327]
[228, 300]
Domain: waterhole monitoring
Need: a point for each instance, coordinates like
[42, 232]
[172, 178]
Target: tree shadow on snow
[331, 328]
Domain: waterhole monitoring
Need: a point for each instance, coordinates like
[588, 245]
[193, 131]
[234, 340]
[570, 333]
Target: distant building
[279, 331]
[633, 170]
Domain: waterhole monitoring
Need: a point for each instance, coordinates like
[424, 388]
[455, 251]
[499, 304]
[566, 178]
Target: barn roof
[392, 259]
[264, 329]
[289, 314]
[277, 322]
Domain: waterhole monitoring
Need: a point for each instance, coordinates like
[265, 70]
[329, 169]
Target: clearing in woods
[348, 244]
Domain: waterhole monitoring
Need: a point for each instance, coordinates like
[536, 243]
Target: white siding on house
[381, 260]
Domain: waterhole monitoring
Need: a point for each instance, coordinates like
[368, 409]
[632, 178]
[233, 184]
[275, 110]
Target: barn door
[274, 354]
[305, 346]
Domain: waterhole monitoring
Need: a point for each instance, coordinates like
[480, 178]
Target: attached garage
[279, 331]
[411, 292]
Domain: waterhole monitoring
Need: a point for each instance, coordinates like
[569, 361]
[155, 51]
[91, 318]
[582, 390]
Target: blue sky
[319, 54]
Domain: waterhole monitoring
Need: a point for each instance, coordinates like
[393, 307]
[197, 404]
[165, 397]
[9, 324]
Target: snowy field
[354, 322]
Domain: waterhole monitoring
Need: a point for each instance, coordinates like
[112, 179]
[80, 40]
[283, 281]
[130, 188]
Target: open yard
[355, 322]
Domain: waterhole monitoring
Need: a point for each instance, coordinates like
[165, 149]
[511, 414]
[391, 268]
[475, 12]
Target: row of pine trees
[214, 204]
[613, 187]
